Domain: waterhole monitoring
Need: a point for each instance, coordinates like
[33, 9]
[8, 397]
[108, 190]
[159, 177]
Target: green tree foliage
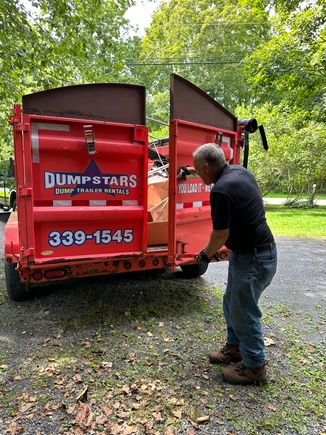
[280, 78]
[295, 159]
[206, 42]
[288, 75]
[90, 35]
[51, 43]
[291, 66]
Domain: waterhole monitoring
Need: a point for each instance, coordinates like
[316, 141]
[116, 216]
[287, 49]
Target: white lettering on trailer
[124, 180]
[73, 179]
[79, 237]
[49, 180]
[61, 181]
[35, 127]
[63, 191]
[133, 181]
[96, 180]
[52, 179]
[114, 180]
[190, 188]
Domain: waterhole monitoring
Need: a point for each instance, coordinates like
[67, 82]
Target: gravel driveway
[137, 344]
[300, 282]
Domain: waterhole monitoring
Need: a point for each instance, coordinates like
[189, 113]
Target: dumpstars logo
[90, 181]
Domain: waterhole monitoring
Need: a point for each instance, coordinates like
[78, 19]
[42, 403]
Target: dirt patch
[133, 349]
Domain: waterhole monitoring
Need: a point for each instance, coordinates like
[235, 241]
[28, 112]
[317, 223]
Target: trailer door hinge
[140, 133]
[25, 191]
[181, 247]
[22, 127]
[27, 252]
[174, 129]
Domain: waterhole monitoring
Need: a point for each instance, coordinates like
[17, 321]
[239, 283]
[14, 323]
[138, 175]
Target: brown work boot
[228, 353]
[242, 375]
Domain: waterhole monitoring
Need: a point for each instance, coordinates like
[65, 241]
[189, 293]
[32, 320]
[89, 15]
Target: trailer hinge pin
[25, 191]
[21, 126]
[26, 252]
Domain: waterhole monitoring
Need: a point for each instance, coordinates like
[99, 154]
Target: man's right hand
[182, 173]
[202, 257]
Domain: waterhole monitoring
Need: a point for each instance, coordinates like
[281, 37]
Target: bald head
[209, 159]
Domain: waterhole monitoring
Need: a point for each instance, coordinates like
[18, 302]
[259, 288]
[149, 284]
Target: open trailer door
[195, 119]
[81, 171]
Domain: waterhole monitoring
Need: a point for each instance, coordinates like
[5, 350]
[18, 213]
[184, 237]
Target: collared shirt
[236, 203]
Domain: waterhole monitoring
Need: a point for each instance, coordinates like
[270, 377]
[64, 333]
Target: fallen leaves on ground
[269, 342]
[271, 407]
[203, 419]
[82, 396]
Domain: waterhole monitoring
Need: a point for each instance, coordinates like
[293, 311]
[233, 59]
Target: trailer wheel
[17, 290]
[194, 270]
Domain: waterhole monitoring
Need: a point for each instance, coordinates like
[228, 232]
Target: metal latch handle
[89, 139]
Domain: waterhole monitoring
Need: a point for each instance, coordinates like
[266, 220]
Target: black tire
[17, 290]
[14, 205]
[194, 270]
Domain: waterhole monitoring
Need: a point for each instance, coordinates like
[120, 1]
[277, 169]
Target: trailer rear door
[81, 166]
[195, 119]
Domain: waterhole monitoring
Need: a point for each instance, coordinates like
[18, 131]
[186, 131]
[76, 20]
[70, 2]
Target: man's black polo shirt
[236, 204]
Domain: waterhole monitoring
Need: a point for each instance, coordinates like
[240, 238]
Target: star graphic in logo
[89, 175]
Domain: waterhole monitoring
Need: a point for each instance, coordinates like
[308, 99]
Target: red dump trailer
[81, 168]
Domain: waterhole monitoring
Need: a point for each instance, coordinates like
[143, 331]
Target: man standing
[239, 223]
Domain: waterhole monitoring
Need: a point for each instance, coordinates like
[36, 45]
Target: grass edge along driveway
[297, 222]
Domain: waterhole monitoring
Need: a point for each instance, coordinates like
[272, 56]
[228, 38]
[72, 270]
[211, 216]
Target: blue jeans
[249, 275]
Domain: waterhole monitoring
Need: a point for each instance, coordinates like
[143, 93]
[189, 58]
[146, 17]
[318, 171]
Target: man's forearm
[216, 241]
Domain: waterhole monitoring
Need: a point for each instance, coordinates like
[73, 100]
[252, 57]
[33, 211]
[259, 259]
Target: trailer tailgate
[73, 203]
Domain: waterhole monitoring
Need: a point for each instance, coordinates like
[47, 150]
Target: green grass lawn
[285, 195]
[290, 222]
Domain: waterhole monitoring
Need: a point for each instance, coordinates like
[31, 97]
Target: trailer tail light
[37, 276]
[55, 273]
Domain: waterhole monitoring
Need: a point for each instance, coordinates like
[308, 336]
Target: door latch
[89, 139]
